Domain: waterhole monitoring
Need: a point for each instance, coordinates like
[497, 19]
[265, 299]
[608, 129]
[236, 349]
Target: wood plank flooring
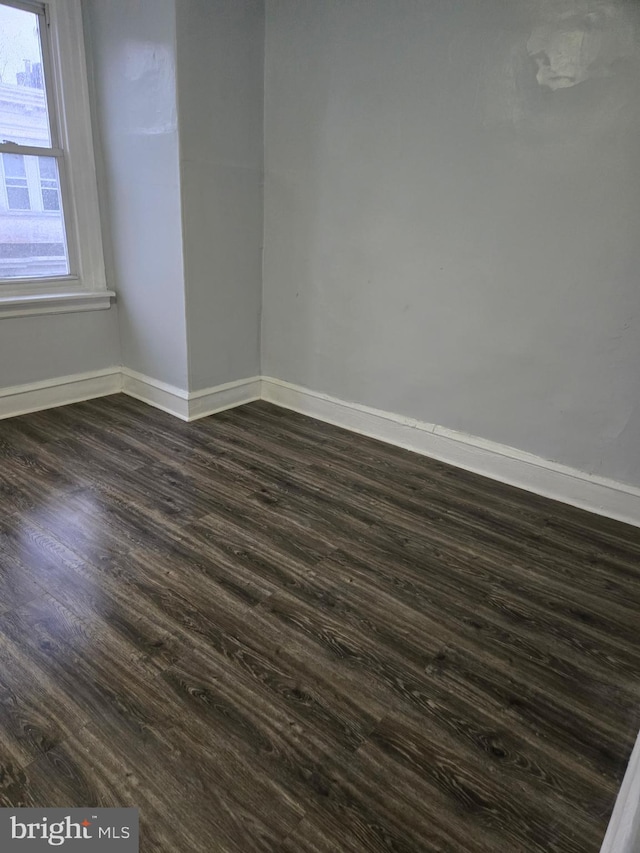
[270, 634]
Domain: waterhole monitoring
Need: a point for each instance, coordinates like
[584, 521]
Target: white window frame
[66, 85]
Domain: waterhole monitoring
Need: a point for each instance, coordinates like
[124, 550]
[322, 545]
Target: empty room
[320, 426]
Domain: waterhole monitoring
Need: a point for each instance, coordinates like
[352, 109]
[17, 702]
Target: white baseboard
[190, 405]
[506, 464]
[221, 397]
[499, 462]
[155, 393]
[61, 391]
[623, 833]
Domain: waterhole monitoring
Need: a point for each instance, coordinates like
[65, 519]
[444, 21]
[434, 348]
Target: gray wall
[220, 105]
[47, 346]
[178, 100]
[452, 201]
[131, 53]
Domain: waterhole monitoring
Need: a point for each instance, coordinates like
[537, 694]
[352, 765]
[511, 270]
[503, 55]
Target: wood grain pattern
[270, 634]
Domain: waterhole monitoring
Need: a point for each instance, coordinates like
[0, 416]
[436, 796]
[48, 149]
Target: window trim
[71, 130]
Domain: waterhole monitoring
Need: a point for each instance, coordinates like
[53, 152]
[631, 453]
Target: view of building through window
[32, 233]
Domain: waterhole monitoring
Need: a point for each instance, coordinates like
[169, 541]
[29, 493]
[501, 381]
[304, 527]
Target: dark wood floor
[270, 634]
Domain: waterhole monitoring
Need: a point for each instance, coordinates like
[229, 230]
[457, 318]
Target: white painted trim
[73, 107]
[221, 397]
[21, 399]
[623, 832]
[189, 406]
[497, 461]
[155, 393]
[25, 304]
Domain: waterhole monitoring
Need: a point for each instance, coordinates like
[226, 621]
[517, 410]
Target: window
[50, 242]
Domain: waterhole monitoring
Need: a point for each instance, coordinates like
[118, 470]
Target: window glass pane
[49, 184]
[50, 199]
[32, 235]
[14, 166]
[23, 104]
[48, 168]
[16, 182]
[18, 198]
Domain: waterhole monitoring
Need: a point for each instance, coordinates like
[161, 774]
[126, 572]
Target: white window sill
[24, 304]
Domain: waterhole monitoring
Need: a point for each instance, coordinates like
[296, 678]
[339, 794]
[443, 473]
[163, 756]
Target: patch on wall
[571, 70]
[579, 45]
